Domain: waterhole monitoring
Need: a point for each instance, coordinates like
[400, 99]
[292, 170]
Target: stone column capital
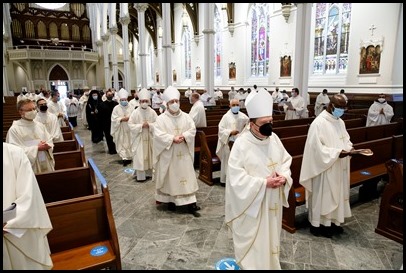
[105, 37]
[114, 30]
[141, 7]
[125, 20]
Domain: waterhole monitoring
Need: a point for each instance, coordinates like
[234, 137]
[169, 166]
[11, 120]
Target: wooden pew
[70, 159]
[81, 225]
[290, 131]
[210, 130]
[68, 145]
[209, 161]
[390, 223]
[364, 170]
[67, 183]
[294, 145]
[397, 147]
[68, 135]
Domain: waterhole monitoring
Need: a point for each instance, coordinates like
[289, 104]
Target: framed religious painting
[232, 71]
[286, 66]
[370, 59]
[198, 74]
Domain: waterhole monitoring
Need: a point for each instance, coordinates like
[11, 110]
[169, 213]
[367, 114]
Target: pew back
[80, 225]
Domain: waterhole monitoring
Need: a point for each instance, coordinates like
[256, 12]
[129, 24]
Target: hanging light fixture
[286, 7]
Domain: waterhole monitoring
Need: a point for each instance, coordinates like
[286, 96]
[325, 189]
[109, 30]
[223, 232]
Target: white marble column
[6, 90]
[397, 67]
[166, 44]
[124, 23]
[302, 48]
[208, 32]
[141, 8]
[107, 80]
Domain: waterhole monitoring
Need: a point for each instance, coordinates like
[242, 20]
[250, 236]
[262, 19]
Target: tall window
[331, 38]
[259, 18]
[187, 53]
[217, 42]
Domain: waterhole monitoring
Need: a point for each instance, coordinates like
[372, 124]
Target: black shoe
[171, 207]
[141, 181]
[193, 208]
[326, 231]
[337, 229]
[223, 184]
[113, 152]
[316, 231]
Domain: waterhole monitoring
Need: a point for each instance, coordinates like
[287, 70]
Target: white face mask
[174, 107]
[144, 105]
[30, 115]
[381, 100]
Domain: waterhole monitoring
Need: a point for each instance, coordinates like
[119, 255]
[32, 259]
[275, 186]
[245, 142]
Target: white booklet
[9, 213]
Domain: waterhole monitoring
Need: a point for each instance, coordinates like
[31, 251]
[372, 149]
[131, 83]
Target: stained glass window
[217, 42]
[187, 53]
[259, 18]
[331, 38]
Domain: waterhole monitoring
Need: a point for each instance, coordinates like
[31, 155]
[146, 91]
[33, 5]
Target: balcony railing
[33, 52]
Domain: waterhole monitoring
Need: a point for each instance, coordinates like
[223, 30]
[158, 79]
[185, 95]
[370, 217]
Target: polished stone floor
[151, 237]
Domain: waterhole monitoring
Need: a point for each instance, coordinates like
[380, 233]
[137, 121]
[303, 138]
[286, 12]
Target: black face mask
[109, 98]
[70, 96]
[24, 92]
[265, 129]
[136, 98]
[43, 108]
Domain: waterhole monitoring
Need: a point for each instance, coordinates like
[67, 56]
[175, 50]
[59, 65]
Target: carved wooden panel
[29, 29]
[17, 30]
[42, 30]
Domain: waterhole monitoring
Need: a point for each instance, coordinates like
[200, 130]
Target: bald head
[336, 101]
[234, 102]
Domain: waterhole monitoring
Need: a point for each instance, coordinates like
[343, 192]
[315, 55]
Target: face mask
[59, 98]
[235, 109]
[70, 96]
[24, 92]
[109, 98]
[37, 92]
[43, 108]
[265, 129]
[137, 98]
[144, 105]
[337, 112]
[381, 100]
[124, 103]
[174, 107]
[94, 97]
[30, 115]
[293, 94]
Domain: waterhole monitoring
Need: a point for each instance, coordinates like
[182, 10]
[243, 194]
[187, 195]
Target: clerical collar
[261, 139]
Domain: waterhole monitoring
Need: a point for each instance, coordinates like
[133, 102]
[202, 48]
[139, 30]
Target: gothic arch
[60, 69]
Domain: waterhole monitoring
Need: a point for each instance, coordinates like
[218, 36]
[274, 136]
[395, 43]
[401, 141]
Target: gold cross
[177, 130]
[342, 138]
[179, 154]
[275, 208]
[183, 181]
[272, 164]
[276, 252]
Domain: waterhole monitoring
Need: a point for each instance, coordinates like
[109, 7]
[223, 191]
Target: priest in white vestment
[258, 184]
[49, 120]
[25, 243]
[325, 170]
[277, 96]
[141, 124]
[380, 112]
[231, 125]
[57, 107]
[33, 137]
[197, 112]
[295, 108]
[173, 152]
[322, 100]
[82, 105]
[119, 127]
